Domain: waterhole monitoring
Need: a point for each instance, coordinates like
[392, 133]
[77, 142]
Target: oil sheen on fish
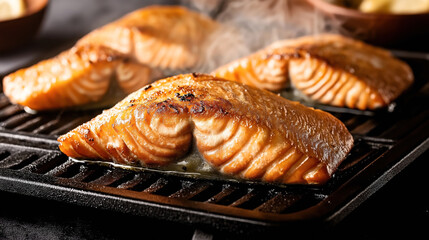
[124, 55]
[330, 69]
[240, 131]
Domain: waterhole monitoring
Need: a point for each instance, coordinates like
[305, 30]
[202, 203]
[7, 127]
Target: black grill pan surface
[385, 143]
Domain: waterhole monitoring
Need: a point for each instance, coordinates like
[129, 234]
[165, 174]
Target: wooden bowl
[18, 31]
[385, 30]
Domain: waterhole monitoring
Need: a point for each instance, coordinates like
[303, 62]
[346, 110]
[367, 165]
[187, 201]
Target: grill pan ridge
[386, 141]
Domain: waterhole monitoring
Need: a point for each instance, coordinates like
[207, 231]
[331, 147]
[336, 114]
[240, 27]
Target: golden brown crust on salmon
[167, 37]
[134, 50]
[74, 77]
[239, 130]
[331, 69]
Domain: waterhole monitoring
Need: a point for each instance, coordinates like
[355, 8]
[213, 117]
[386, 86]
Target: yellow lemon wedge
[10, 9]
[394, 6]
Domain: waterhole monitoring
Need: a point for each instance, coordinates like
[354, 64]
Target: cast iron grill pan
[386, 141]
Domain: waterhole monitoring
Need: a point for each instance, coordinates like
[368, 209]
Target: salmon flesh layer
[330, 69]
[240, 131]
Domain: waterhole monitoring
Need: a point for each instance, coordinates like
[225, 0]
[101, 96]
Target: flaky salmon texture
[327, 68]
[121, 56]
[240, 131]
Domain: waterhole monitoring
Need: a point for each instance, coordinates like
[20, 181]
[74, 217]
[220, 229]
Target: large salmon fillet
[124, 55]
[240, 131]
[330, 69]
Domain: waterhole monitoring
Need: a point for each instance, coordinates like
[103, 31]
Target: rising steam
[249, 25]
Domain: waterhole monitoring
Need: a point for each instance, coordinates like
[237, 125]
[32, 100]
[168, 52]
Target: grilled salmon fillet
[240, 131]
[330, 69]
[131, 52]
